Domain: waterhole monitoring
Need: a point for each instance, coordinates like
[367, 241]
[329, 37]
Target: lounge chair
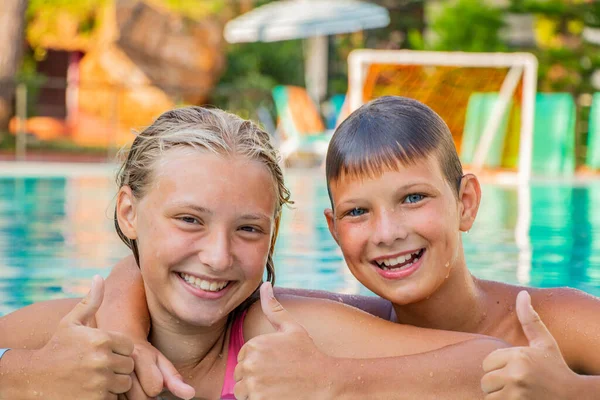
[300, 128]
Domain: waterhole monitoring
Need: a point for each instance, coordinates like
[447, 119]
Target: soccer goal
[487, 99]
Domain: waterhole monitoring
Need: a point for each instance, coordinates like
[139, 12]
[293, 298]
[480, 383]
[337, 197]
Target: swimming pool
[57, 232]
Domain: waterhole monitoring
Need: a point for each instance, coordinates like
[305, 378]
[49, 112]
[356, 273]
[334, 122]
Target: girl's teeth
[204, 285]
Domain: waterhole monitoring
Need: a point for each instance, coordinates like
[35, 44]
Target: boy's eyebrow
[411, 185]
[403, 188]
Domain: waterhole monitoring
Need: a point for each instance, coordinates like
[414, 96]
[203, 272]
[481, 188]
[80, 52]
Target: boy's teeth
[202, 284]
[399, 261]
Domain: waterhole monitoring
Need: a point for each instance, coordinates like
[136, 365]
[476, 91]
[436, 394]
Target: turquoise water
[56, 233]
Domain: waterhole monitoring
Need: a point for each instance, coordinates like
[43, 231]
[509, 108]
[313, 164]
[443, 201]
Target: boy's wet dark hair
[387, 131]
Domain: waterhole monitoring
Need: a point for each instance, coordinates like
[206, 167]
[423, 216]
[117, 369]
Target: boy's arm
[327, 350]
[572, 318]
[374, 305]
[124, 308]
[542, 369]
[57, 352]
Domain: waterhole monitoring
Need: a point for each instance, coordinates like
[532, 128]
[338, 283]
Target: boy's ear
[331, 223]
[126, 212]
[469, 197]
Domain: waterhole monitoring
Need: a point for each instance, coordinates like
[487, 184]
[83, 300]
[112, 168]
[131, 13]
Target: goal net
[487, 99]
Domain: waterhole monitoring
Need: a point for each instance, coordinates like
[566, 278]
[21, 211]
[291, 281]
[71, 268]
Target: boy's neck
[457, 305]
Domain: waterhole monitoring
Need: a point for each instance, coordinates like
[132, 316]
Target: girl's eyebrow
[255, 217]
[204, 210]
[199, 209]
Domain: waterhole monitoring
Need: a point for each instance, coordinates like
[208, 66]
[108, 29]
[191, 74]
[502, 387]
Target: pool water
[56, 233]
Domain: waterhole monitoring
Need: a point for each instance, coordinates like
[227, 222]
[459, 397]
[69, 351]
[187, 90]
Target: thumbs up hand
[281, 320]
[537, 371]
[80, 361]
[285, 364]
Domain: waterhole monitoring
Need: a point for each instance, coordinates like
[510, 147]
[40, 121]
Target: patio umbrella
[313, 20]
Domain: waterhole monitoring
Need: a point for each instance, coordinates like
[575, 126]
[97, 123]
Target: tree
[12, 24]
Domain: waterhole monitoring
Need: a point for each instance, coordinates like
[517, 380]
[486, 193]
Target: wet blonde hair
[210, 130]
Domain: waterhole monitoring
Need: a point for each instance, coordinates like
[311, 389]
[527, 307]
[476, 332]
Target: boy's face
[400, 232]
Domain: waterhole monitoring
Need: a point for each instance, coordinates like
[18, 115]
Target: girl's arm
[328, 350]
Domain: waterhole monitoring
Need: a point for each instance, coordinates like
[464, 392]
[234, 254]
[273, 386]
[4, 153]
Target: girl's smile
[204, 230]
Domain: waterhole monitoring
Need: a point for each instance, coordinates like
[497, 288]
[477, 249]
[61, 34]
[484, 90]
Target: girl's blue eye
[413, 198]
[356, 212]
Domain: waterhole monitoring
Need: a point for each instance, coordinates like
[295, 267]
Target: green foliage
[468, 25]
[194, 9]
[590, 13]
[79, 8]
[253, 69]
[34, 81]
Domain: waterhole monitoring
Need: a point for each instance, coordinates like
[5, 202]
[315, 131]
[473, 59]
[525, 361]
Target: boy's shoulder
[305, 310]
[571, 316]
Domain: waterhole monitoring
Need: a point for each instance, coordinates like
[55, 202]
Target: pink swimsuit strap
[236, 342]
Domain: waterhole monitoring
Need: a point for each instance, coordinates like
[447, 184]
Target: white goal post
[522, 67]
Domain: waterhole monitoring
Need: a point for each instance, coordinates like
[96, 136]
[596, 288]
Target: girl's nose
[216, 251]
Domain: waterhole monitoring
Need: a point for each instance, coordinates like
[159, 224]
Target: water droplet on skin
[431, 374]
[447, 264]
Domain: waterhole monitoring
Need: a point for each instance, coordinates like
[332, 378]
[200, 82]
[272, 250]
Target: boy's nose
[388, 229]
[216, 251]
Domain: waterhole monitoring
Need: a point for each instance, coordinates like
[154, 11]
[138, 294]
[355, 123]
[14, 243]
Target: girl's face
[400, 232]
[203, 230]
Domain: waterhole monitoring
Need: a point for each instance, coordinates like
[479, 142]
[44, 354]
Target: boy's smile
[399, 231]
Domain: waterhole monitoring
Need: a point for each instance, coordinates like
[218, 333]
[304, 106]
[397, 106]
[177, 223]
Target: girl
[199, 201]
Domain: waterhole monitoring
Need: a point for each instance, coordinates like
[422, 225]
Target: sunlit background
[517, 81]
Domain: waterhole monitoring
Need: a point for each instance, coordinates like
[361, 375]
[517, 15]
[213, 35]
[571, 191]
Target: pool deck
[109, 169]
[56, 169]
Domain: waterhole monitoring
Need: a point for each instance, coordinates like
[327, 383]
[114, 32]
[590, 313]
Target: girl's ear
[469, 197]
[126, 212]
[331, 223]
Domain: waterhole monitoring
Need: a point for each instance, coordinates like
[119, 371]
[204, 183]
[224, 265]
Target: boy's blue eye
[413, 198]
[189, 220]
[356, 212]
